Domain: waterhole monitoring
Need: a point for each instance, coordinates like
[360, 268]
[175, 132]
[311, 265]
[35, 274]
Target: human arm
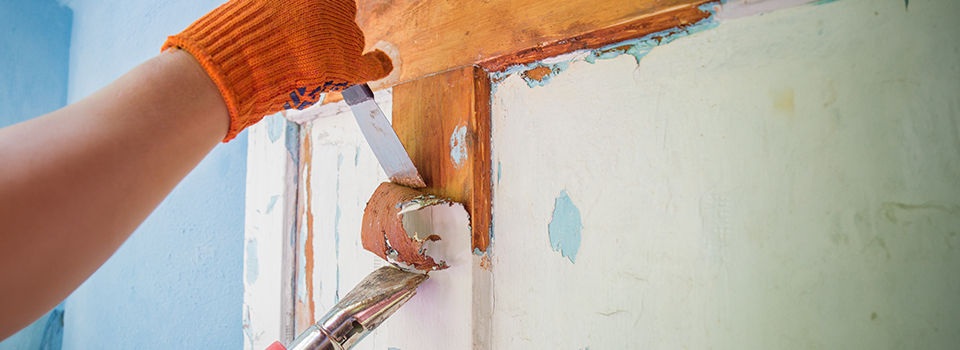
[76, 182]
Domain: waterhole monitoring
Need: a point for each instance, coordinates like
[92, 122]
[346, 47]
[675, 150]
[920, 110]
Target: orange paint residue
[485, 262]
[307, 160]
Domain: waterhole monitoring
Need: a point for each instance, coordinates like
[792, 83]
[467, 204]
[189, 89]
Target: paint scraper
[383, 140]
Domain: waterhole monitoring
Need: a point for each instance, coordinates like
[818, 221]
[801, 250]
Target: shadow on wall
[33, 68]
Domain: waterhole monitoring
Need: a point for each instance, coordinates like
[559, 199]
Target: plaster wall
[177, 281]
[782, 181]
[35, 41]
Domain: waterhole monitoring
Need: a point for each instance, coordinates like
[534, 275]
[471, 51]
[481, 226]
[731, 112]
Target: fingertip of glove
[375, 65]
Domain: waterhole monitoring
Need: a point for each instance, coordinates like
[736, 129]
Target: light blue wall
[177, 281]
[34, 46]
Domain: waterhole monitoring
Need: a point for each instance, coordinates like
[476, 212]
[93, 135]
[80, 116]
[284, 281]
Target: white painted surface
[784, 181]
[742, 8]
[788, 180]
[269, 214]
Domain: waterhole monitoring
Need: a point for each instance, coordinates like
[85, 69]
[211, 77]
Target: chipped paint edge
[550, 67]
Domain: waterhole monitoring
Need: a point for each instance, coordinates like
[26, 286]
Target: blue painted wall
[34, 46]
[177, 281]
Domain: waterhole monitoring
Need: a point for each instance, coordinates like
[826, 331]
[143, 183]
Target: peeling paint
[383, 231]
[292, 143]
[541, 72]
[253, 266]
[275, 125]
[458, 146]
[485, 262]
[308, 254]
[564, 228]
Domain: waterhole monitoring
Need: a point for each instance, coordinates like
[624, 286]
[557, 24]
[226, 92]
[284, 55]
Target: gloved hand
[268, 55]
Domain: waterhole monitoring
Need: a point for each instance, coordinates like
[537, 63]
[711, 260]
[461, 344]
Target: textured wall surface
[35, 40]
[177, 281]
[34, 47]
[782, 181]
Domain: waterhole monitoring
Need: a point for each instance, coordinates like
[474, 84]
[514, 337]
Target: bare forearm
[76, 182]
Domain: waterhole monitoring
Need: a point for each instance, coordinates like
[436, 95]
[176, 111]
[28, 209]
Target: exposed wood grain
[678, 16]
[443, 120]
[432, 36]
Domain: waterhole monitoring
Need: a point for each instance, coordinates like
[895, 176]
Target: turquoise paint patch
[499, 172]
[564, 228]
[275, 126]
[253, 265]
[273, 201]
[638, 48]
[458, 146]
[292, 142]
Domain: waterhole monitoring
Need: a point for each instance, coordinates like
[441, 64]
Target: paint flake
[382, 230]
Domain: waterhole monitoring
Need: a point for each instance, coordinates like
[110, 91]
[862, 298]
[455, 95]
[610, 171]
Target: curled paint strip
[383, 234]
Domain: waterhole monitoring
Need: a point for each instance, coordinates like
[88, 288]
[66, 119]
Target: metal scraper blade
[381, 137]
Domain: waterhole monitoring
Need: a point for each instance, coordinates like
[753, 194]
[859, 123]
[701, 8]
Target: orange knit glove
[267, 55]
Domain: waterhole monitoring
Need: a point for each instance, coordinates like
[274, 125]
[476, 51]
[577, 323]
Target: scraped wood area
[443, 121]
[432, 36]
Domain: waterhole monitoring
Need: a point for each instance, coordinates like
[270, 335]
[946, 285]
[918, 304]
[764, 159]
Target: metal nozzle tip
[371, 302]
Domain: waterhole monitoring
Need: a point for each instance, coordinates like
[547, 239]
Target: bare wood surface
[674, 17]
[443, 121]
[429, 36]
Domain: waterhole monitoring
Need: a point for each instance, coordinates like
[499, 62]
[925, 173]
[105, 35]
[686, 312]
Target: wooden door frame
[440, 79]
